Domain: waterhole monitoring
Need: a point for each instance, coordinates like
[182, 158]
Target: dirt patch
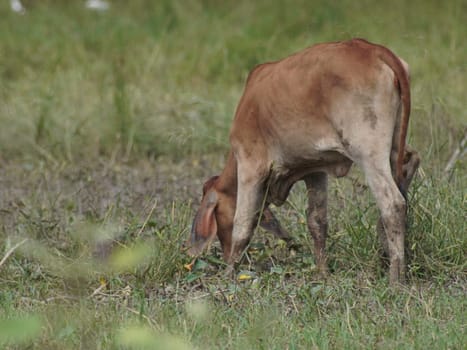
[53, 195]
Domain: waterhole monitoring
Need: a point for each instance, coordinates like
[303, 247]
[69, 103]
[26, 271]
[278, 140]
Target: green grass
[111, 122]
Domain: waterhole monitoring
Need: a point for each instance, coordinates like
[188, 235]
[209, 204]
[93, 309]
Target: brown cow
[312, 114]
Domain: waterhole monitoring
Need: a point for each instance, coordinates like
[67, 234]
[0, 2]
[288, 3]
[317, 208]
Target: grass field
[110, 123]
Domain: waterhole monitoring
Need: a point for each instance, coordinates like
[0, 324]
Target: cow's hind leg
[410, 166]
[392, 205]
[316, 184]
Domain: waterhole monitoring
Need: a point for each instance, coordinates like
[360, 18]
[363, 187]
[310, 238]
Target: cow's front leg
[317, 184]
[250, 198]
[270, 223]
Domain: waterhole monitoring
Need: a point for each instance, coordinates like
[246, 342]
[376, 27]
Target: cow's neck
[228, 178]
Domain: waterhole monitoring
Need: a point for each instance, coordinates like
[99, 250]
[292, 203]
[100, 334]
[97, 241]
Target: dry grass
[110, 124]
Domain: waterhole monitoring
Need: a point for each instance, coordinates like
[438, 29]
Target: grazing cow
[311, 114]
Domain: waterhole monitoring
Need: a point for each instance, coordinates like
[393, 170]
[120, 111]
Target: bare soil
[54, 194]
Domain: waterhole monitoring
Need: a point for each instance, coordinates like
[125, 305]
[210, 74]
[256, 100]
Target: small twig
[98, 289]
[368, 316]
[11, 250]
[46, 154]
[292, 299]
[147, 218]
[151, 322]
[459, 152]
[50, 299]
[202, 296]
[348, 319]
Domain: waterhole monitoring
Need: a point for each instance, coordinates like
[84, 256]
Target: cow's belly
[287, 172]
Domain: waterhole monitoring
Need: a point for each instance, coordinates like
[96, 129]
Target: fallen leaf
[103, 281]
[245, 276]
[189, 266]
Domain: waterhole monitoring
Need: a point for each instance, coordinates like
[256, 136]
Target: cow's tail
[402, 77]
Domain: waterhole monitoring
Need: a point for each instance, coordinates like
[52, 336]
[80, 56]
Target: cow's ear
[204, 226]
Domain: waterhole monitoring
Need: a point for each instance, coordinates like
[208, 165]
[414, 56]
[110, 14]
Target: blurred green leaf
[197, 309]
[200, 265]
[193, 276]
[127, 258]
[214, 260]
[142, 337]
[19, 330]
[65, 332]
[277, 269]
[137, 337]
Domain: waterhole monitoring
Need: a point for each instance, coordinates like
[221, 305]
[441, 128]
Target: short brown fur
[307, 116]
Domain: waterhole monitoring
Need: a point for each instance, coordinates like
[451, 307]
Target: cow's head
[214, 216]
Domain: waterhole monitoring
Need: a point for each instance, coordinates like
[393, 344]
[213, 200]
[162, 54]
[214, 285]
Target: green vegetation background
[150, 87]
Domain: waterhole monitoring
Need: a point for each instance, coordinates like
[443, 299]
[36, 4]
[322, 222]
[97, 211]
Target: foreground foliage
[110, 123]
[98, 263]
